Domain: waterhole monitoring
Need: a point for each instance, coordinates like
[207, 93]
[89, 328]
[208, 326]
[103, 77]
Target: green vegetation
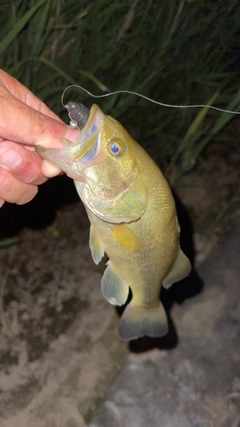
[178, 52]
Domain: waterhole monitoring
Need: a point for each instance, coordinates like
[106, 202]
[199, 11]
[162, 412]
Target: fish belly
[145, 268]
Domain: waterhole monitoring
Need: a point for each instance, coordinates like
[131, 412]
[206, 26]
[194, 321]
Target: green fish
[133, 220]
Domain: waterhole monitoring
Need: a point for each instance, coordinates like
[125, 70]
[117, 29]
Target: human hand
[24, 122]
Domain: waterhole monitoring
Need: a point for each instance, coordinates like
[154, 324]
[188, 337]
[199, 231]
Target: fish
[132, 217]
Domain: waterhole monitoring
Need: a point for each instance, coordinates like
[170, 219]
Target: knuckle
[14, 191]
[37, 124]
[28, 195]
[43, 123]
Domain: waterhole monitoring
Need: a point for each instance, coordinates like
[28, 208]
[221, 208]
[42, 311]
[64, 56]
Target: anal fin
[96, 246]
[180, 269]
[114, 289]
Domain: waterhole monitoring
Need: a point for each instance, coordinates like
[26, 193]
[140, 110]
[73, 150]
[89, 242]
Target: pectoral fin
[180, 269]
[113, 287]
[126, 238]
[95, 245]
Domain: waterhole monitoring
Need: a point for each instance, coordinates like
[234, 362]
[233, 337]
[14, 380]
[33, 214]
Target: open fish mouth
[84, 147]
[86, 121]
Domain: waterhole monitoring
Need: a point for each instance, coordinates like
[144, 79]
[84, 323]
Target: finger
[71, 134]
[23, 164]
[48, 169]
[24, 118]
[23, 124]
[20, 92]
[14, 191]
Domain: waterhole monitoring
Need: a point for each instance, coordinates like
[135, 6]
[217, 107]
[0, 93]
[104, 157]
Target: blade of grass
[8, 242]
[192, 135]
[12, 35]
[69, 79]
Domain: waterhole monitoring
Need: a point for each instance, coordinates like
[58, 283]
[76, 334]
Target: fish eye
[116, 148]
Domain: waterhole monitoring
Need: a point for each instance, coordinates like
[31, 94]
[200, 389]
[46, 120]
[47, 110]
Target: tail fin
[140, 321]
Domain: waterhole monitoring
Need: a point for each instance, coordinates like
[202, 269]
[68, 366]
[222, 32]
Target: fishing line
[147, 98]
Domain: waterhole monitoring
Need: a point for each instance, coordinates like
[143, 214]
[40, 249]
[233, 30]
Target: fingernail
[11, 159]
[47, 141]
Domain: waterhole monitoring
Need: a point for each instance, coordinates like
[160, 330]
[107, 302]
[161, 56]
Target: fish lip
[94, 110]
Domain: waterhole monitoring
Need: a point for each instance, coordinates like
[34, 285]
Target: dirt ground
[56, 329]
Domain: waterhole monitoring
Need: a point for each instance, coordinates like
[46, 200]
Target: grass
[178, 52]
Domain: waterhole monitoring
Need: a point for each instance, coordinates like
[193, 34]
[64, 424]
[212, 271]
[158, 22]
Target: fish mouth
[86, 140]
[74, 155]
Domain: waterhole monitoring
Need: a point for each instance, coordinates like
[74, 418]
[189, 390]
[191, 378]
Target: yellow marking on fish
[126, 238]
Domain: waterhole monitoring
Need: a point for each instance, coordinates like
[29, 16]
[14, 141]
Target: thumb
[49, 169]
